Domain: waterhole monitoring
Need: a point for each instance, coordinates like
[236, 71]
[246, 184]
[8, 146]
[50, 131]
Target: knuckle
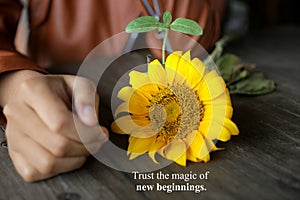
[26, 87]
[61, 147]
[47, 164]
[60, 121]
[9, 110]
[28, 175]
[31, 86]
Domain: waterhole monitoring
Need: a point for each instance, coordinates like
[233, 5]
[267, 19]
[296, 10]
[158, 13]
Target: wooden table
[263, 162]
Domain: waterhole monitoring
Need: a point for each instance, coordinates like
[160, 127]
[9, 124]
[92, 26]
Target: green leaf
[239, 76]
[186, 26]
[255, 84]
[167, 18]
[233, 69]
[226, 65]
[143, 24]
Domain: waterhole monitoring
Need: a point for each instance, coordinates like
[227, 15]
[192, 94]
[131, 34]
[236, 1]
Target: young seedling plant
[150, 23]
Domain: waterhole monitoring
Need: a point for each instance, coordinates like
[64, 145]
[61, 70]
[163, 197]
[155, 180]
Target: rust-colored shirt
[65, 31]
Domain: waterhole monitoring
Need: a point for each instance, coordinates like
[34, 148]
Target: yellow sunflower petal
[191, 157]
[126, 124]
[135, 108]
[159, 143]
[198, 151]
[205, 158]
[125, 93]
[190, 138]
[181, 160]
[176, 151]
[211, 129]
[143, 132]
[138, 109]
[148, 90]
[228, 100]
[138, 79]
[138, 99]
[187, 56]
[171, 66]
[183, 67]
[223, 99]
[123, 125]
[133, 155]
[211, 145]
[233, 129]
[224, 135]
[212, 87]
[190, 72]
[204, 152]
[157, 73]
[179, 79]
[140, 145]
[214, 130]
[199, 65]
[217, 112]
[123, 107]
[195, 147]
[140, 120]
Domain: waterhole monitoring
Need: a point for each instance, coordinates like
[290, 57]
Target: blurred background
[269, 13]
[249, 15]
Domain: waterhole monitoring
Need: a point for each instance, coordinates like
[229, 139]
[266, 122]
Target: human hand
[42, 130]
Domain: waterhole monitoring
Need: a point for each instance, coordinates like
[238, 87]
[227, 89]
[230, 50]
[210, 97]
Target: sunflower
[178, 111]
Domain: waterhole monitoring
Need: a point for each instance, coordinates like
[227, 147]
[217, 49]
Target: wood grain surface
[263, 162]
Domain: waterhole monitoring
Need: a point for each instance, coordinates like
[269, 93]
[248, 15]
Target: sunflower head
[177, 111]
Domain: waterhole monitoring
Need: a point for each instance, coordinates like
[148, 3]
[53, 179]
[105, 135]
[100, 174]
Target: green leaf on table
[255, 84]
[167, 18]
[143, 24]
[186, 26]
[233, 69]
[241, 79]
[226, 64]
[242, 74]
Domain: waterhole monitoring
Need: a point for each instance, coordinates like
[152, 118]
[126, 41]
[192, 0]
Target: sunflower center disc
[176, 111]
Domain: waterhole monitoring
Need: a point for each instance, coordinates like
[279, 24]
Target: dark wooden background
[263, 162]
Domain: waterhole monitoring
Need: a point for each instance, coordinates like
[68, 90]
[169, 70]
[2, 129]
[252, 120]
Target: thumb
[85, 99]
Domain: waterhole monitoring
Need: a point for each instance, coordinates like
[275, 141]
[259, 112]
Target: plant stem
[164, 46]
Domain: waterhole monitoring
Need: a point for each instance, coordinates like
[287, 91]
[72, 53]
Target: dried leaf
[255, 84]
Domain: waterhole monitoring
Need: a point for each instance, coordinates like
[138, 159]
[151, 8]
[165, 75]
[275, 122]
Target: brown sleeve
[10, 59]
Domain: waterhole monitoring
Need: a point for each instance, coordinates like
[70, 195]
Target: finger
[94, 145]
[57, 144]
[48, 97]
[85, 99]
[45, 163]
[28, 173]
